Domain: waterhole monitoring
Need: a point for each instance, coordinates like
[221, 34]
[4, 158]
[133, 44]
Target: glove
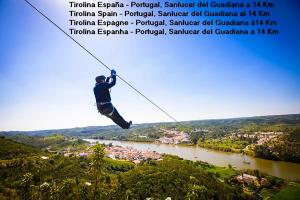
[113, 72]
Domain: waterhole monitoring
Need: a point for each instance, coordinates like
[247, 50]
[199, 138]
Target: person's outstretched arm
[114, 79]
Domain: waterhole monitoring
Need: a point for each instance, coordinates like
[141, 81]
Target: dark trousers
[111, 112]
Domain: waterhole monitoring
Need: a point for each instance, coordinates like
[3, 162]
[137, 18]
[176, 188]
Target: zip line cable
[91, 54]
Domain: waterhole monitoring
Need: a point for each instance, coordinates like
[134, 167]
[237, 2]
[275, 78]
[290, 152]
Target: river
[280, 169]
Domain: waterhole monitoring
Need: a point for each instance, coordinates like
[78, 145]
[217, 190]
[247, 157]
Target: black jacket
[101, 90]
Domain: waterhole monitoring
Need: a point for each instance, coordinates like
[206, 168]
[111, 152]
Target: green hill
[10, 149]
[55, 141]
[216, 127]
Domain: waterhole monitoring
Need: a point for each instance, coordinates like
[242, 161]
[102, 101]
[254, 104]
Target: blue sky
[46, 81]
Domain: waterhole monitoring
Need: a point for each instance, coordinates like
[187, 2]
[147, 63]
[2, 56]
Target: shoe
[129, 124]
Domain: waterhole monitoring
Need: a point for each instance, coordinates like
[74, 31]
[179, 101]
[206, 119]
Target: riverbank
[280, 169]
[225, 145]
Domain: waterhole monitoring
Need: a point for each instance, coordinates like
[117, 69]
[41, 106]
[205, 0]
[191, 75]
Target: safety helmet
[99, 79]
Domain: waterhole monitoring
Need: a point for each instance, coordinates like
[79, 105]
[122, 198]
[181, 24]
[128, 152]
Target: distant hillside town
[173, 136]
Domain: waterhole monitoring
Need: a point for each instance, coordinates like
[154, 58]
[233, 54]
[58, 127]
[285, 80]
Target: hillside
[264, 136]
[217, 127]
[55, 141]
[10, 149]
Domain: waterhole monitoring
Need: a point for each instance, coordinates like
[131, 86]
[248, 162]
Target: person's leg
[109, 111]
[118, 119]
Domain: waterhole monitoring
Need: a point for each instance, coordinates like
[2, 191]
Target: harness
[104, 103]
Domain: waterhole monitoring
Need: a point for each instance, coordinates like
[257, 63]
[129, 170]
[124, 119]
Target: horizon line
[169, 122]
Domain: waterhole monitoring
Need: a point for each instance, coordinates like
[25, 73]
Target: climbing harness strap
[103, 103]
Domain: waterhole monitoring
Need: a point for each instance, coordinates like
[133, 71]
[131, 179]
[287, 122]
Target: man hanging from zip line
[103, 99]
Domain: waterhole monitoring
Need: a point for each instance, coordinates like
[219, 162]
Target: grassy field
[224, 144]
[222, 172]
[291, 192]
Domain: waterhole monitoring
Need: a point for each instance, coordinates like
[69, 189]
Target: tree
[129, 194]
[45, 189]
[54, 192]
[85, 191]
[195, 136]
[67, 188]
[97, 164]
[25, 186]
[196, 192]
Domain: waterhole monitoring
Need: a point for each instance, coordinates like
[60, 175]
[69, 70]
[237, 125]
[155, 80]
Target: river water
[280, 169]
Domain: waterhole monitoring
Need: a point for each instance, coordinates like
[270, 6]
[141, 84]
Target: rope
[91, 54]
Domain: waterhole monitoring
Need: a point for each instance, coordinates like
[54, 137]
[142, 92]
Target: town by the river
[280, 169]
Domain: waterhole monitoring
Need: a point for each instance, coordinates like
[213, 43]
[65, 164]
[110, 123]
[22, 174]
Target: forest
[33, 172]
